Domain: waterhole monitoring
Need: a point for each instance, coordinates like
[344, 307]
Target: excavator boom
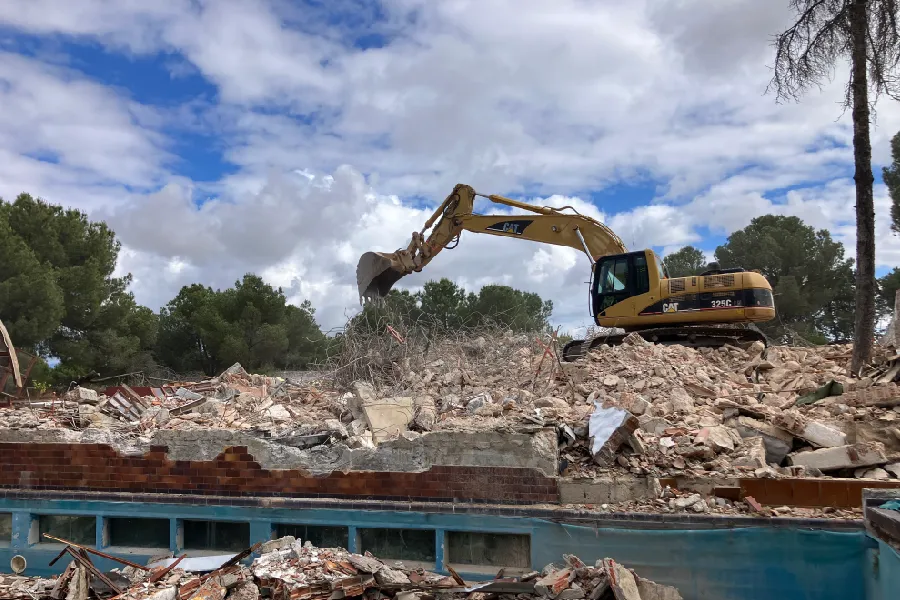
[377, 272]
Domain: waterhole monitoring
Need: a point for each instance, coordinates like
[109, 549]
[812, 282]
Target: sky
[287, 137]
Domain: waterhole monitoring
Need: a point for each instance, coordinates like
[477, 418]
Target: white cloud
[511, 96]
[69, 138]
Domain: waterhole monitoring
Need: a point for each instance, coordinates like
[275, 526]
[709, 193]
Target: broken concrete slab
[82, 396]
[682, 402]
[893, 469]
[622, 581]
[389, 576]
[822, 435]
[816, 433]
[777, 441]
[653, 425]
[387, 417]
[650, 590]
[867, 473]
[633, 403]
[366, 564]
[751, 454]
[426, 413]
[363, 393]
[685, 502]
[278, 412]
[602, 490]
[553, 583]
[244, 591]
[843, 457]
[273, 545]
[721, 438]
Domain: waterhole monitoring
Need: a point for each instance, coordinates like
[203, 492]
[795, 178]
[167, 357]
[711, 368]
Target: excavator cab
[619, 277]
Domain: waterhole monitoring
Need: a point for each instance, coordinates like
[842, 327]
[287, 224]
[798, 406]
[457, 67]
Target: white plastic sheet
[603, 423]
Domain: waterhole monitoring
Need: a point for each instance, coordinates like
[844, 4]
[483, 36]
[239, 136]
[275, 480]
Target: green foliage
[507, 307]
[887, 292]
[812, 281]
[31, 302]
[58, 295]
[444, 302]
[686, 262]
[251, 323]
[399, 308]
[443, 305]
[891, 176]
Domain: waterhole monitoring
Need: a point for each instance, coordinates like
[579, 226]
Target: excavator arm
[377, 272]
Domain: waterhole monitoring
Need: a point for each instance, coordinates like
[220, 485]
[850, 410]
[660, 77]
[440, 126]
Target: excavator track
[695, 337]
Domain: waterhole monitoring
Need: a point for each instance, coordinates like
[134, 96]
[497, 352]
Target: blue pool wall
[737, 563]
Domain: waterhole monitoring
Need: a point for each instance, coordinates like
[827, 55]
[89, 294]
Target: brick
[235, 473]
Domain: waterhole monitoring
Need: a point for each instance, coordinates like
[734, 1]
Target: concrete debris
[640, 409]
[843, 457]
[82, 396]
[655, 591]
[622, 581]
[285, 568]
[777, 441]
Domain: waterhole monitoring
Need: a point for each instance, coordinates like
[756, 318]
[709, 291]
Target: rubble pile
[640, 408]
[763, 412]
[289, 569]
[673, 501]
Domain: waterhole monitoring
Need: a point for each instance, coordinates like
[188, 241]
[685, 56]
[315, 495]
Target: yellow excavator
[631, 291]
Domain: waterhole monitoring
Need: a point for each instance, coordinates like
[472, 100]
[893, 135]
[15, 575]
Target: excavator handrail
[377, 272]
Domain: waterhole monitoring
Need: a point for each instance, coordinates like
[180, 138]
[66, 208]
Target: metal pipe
[584, 244]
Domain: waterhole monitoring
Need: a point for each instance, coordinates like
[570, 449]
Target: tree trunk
[864, 326]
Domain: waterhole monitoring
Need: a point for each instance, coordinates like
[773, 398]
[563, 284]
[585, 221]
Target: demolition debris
[288, 569]
[637, 408]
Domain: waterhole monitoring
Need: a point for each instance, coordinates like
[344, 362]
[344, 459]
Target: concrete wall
[883, 573]
[438, 448]
[440, 466]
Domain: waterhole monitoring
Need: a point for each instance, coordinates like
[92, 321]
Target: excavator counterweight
[630, 291]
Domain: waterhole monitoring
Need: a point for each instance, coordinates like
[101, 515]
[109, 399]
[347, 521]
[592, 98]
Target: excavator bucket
[376, 273]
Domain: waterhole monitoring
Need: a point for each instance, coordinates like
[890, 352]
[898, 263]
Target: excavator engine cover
[375, 275]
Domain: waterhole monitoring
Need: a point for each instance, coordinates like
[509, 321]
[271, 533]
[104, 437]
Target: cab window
[641, 276]
[614, 276]
[661, 268]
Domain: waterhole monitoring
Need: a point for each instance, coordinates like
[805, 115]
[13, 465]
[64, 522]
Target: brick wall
[98, 467]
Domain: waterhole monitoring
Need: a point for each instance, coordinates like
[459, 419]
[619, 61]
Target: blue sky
[286, 137]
